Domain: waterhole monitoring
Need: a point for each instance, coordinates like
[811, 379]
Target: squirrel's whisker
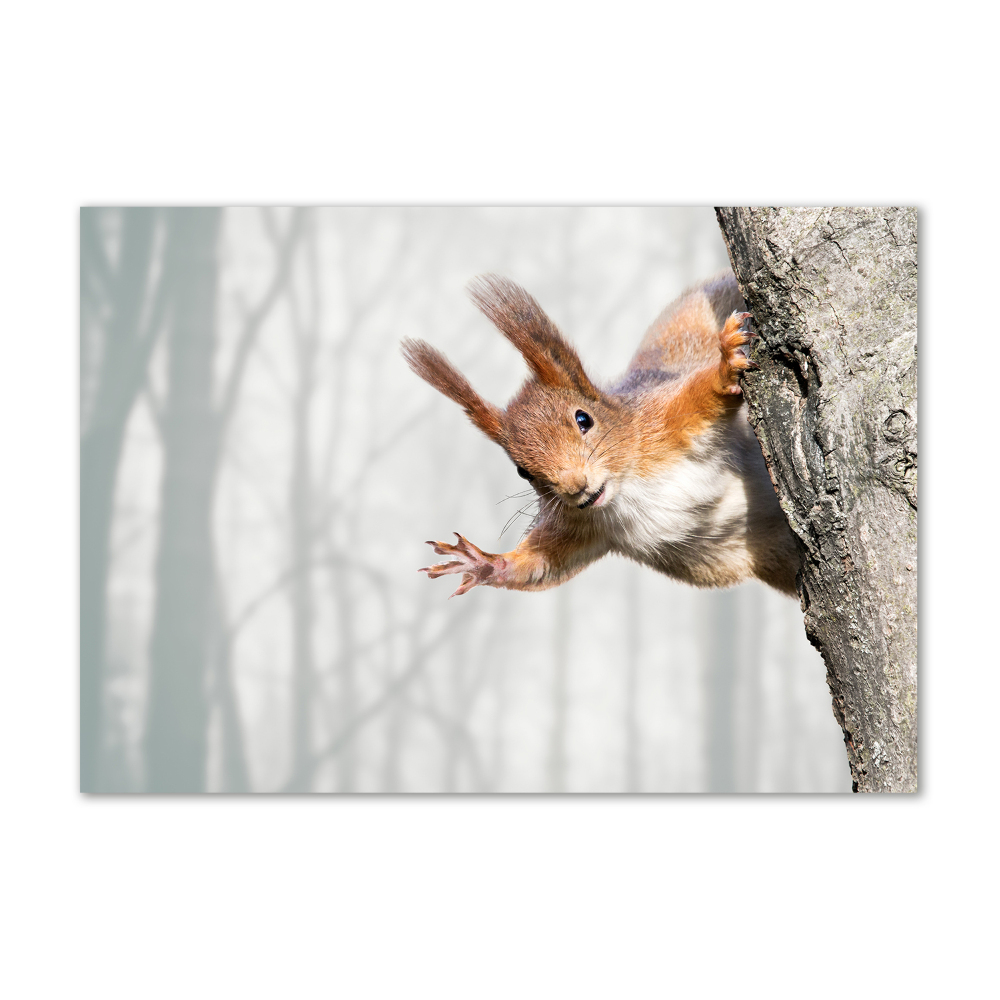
[658, 468]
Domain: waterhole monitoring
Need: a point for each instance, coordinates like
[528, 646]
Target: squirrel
[660, 466]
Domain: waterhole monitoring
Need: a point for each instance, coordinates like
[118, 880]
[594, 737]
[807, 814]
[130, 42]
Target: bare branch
[94, 264]
[344, 737]
[257, 316]
[289, 574]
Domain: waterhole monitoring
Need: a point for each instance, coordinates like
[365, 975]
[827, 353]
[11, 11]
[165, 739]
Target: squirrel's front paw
[475, 565]
[732, 338]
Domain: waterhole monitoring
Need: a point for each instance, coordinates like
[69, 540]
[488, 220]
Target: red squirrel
[661, 466]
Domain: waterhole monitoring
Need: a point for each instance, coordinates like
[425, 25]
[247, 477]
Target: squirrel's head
[559, 430]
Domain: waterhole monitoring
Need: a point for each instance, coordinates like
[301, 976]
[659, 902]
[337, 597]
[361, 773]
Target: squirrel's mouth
[594, 499]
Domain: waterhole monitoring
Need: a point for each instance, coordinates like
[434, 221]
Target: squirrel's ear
[432, 366]
[521, 320]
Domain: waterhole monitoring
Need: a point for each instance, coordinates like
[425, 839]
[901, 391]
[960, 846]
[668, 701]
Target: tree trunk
[235, 769]
[833, 294]
[124, 352]
[556, 764]
[720, 680]
[177, 720]
[302, 540]
[633, 737]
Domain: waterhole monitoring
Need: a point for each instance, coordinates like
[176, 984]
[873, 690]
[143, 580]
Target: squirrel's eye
[524, 474]
[584, 421]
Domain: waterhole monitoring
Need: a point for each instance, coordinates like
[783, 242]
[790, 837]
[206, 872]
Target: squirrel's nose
[572, 482]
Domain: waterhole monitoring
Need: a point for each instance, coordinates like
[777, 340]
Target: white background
[446, 103]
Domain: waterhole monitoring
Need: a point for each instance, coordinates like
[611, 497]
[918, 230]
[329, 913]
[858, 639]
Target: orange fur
[521, 320]
[433, 367]
[704, 396]
[659, 470]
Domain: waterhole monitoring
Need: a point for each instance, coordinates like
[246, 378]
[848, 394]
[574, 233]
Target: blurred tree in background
[123, 301]
[259, 470]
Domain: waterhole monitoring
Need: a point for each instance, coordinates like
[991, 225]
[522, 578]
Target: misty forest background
[259, 470]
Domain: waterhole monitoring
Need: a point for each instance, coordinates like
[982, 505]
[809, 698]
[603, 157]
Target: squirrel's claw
[475, 565]
[731, 341]
[468, 582]
[748, 328]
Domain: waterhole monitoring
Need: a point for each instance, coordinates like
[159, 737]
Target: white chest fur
[692, 517]
[697, 503]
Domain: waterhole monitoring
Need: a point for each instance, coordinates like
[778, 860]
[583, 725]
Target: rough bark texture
[833, 294]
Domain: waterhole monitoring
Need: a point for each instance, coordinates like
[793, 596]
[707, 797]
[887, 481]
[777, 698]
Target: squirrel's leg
[545, 558]
[712, 391]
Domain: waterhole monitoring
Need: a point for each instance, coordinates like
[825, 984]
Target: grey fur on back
[665, 358]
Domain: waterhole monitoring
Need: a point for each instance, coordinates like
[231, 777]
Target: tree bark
[833, 294]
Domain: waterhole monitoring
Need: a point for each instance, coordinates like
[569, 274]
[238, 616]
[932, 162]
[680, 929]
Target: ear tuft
[523, 322]
[433, 367]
